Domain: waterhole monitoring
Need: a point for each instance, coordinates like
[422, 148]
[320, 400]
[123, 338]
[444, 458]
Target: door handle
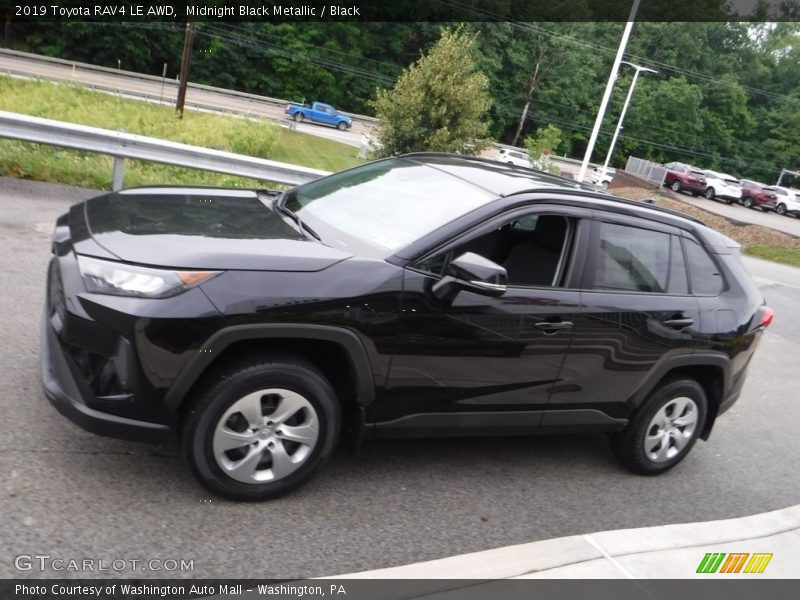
[553, 327]
[679, 323]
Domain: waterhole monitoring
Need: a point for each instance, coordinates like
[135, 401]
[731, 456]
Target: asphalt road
[72, 495]
[166, 91]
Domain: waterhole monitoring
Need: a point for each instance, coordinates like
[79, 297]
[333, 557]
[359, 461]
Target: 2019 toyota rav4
[425, 295]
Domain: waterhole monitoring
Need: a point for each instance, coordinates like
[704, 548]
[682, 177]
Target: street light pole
[609, 87]
[639, 69]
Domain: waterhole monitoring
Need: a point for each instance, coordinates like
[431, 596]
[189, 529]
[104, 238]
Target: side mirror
[473, 273]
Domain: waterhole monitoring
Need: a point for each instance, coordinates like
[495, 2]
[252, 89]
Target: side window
[703, 272]
[533, 249]
[630, 258]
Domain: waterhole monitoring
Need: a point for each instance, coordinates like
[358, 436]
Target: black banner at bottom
[729, 588]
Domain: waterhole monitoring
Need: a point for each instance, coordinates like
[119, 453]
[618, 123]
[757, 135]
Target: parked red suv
[683, 177]
[756, 194]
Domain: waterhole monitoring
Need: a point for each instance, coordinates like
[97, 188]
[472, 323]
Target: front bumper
[64, 388]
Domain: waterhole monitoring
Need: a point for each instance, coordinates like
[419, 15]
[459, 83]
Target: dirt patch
[746, 234]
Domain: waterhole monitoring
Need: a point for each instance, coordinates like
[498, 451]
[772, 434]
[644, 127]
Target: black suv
[425, 295]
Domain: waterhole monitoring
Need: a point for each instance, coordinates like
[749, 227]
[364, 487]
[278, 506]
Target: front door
[482, 363]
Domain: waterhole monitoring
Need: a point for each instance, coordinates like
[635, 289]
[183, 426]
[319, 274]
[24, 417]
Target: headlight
[107, 277]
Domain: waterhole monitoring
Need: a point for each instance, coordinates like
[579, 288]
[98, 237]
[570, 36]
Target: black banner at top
[399, 10]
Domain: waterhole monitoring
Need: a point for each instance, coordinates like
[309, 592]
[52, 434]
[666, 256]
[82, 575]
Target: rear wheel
[664, 429]
[781, 210]
[709, 193]
[298, 116]
[748, 202]
[262, 429]
[676, 186]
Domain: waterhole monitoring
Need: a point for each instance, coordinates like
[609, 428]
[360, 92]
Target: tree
[439, 103]
[543, 143]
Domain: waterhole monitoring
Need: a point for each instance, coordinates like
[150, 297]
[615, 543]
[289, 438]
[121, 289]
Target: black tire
[748, 202]
[341, 126]
[676, 186]
[781, 210]
[299, 117]
[222, 392]
[709, 193]
[628, 445]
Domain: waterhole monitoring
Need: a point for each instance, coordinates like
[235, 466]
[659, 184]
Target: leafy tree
[544, 142]
[439, 103]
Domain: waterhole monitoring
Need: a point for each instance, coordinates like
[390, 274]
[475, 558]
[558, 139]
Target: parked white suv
[788, 200]
[722, 186]
[514, 157]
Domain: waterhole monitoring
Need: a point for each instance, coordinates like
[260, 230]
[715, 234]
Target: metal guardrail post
[118, 176]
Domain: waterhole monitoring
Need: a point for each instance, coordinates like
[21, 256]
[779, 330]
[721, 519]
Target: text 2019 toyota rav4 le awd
[426, 295]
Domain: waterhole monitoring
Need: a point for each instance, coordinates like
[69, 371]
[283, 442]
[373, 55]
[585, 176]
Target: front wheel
[781, 210]
[748, 202]
[709, 193]
[262, 429]
[341, 126]
[664, 429]
[676, 186]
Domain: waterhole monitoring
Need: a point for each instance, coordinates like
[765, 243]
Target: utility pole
[639, 69]
[186, 65]
[609, 88]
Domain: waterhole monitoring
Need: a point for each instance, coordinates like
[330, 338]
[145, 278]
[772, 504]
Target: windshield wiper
[279, 205]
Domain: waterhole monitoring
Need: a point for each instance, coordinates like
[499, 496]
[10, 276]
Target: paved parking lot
[737, 212]
[73, 495]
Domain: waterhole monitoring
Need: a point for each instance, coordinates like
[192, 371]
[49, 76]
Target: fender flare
[698, 359]
[222, 339]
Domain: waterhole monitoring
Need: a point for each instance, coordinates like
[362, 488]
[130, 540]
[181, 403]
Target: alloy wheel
[265, 435]
[670, 429]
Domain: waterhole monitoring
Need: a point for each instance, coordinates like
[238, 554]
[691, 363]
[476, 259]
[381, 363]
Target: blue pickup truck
[319, 113]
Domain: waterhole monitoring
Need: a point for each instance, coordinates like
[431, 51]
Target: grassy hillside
[78, 105]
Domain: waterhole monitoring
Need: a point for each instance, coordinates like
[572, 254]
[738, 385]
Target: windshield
[380, 207]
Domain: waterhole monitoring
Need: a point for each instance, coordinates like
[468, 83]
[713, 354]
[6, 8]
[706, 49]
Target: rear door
[635, 312]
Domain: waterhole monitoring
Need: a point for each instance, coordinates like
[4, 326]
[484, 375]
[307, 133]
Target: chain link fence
[644, 169]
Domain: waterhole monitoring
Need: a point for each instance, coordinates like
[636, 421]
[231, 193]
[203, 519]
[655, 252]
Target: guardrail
[123, 145]
[171, 83]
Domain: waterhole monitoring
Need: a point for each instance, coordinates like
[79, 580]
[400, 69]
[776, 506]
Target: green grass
[787, 256]
[73, 104]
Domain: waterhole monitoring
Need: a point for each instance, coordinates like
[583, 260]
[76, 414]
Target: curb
[665, 551]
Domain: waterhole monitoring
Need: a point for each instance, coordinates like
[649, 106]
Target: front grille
[56, 292]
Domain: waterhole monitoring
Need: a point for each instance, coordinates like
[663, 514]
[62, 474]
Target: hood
[197, 228]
